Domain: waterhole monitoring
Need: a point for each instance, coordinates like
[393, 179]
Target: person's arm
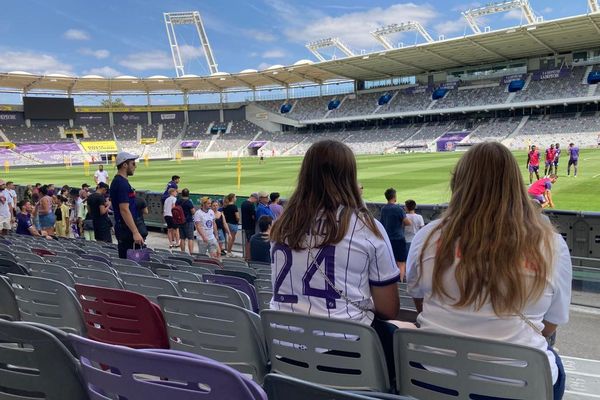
[96, 178]
[225, 224]
[549, 197]
[528, 158]
[386, 301]
[145, 211]
[128, 219]
[200, 232]
[237, 217]
[406, 221]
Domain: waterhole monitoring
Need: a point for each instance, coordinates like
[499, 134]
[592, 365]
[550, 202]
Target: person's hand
[138, 239]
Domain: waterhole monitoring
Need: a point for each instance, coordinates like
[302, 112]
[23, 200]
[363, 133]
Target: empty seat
[94, 277]
[27, 257]
[214, 292]
[127, 269]
[176, 276]
[263, 284]
[149, 286]
[196, 270]
[62, 261]
[48, 302]
[11, 267]
[9, 309]
[237, 283]
[94, 264]
[264, 299]
[239, 274]
[52, 271]
[230, 334]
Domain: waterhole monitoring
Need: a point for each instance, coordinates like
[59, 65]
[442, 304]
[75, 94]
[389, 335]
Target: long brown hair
[493, 230]
[326, 181]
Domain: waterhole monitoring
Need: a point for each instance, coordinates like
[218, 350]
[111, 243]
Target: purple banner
[449, 140]
[417, 89]
[190, 144]
[449, 85]
[92, 118]
[11, 118]
[509, 78]
[550, 74]
[131, 118]
[47, 147]
[257, 144]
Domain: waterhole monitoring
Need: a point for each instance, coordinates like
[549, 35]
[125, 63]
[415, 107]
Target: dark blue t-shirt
[23, 224]
[170, 185]
[122, 192]
[260, 248]
[187, 207]
[392, 216]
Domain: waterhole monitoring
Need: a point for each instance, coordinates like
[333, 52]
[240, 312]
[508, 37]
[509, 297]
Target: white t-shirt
[13, 195]
[168, 206]
[361, 259]
[440, 316]
[4, 209]
[411, 230]
[206, 219]
[101, 176]
[9, 198]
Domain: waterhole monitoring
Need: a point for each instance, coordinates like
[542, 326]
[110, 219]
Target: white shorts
[212, 245]
[5, 223]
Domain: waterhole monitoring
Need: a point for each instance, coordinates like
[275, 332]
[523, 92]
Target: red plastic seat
[43, 252]
[122, 317]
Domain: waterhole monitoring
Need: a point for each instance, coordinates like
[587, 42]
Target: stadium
[408, 113]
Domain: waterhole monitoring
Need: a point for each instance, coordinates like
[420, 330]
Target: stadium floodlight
[474, 13]
[326, 43]
[188, 18]
[414, 26]
[594, 8]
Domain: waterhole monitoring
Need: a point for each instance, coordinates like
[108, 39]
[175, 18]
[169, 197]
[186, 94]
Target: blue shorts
[540, 198]
[556, 163]
[233, 228]
[186, 231]
[399, 249]
[47, 221]
[221, 235]
[533, 169]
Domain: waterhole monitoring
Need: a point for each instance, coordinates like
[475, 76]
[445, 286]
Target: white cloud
[353, 28]
[76, 34]
[105, 71]
[515, 14]
[260, 36]
[29, 61]
[274, 53]
[143, 61]
[189, 52]
[547, 10]
[451, 27]
[99, 54]
[263, 65]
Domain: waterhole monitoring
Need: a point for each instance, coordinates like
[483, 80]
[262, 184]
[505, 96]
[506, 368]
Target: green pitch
[422, 177]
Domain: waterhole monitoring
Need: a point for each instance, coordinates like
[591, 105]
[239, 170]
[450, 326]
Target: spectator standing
[44, 210]
[480, 271]
[124, 205]
[263, 208]
[5, 214]
[101, 176]
[98, 206]
[249, 221]
[172, 227]
[10, 187]
[274, 205]
[232, 217]
[5, 191]
[394, 220]
[186, 231]
[173, 184]
[204, 220]
[222, 227]
[28, 194]
[62, 225]
[260, 246]
[416, 222]
[142, 209]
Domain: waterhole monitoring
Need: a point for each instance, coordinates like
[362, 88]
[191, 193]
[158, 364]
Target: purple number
[326, 256]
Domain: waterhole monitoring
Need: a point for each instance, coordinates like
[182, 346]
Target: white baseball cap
[125, 156]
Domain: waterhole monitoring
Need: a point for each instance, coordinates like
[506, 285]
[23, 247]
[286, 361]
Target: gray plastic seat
[149, 286]
[214, 292]
[27, 257]
[342, 354]
[62, 261]
[48, 302]
[238, 274]
[234, 262]
[196, 270]
[9, 309]
[473, 367]
[94, 277]
[37, 365]
[94, 264]
[115, 261]
[222, 332]
[264, 299]
[263, 275]
[176, 276]
[126, 269]
[52, 271]
[407, 303]
[240, 268]
[175, 261]
[263, 285]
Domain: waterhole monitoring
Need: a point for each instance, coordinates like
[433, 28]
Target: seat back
[114, 372]
[175, 275]
[97, 257]
[149, 286]
[213, 292]
[263, 284]
[189, 260]
[333, 352]
[153, 265]
[239, 274]
[48, 302]
[195, 270]
[127, 269]
[27, 257]
[237, 283]
[11, 267]
[468, 367]
[52, 271]
[240, 268]
[281, 387]
[115, 261]
[264, 299]
[94, 277]
[222, 332]
[62, 261]
[36, 365]
[94, 264]
[122, 317]
[9, 309]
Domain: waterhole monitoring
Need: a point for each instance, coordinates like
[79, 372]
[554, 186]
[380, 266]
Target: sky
[128, 37]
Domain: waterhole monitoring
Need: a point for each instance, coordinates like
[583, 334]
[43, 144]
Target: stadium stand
[197, 130]
[480, 94]
[99, 132]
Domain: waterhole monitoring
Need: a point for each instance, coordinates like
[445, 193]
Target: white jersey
[416, 223]
[206, 219]
[168, 206]
[358, 261]
[101, 176]
[439, 315]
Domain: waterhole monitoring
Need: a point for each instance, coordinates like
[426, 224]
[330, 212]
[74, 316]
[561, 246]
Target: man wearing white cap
[123, 200]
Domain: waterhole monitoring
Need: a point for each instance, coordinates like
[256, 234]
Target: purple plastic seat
[237, 283]
[119, 372]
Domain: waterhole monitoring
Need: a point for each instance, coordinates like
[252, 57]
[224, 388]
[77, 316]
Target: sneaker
[229, 254]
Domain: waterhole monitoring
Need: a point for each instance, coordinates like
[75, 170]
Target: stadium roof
[544, 38]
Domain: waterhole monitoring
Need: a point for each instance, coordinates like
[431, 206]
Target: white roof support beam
[593, 4]
[410, 26]
[486, 49]
[474, 13]
[538, 41]
[314, 47]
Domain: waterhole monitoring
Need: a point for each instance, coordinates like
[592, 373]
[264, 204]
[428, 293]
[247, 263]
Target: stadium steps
[212, 142]
[159, 133]
[527, 82]
[209, 128]
[432, 104]
[4, 137]
[510, 97]
[592, 90]
[518, 128]
[138, 133]
[288, 151]
[589, 69]
[583, 378]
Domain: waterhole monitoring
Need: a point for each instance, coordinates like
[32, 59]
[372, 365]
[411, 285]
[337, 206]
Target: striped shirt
[358, 261]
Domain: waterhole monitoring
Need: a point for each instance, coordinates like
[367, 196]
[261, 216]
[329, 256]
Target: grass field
[423, 177]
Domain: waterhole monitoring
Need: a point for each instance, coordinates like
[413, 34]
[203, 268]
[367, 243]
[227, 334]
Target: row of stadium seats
[197, 309]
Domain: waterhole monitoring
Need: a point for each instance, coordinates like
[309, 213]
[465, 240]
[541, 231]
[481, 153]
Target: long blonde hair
[326, 181]
[493, 230]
